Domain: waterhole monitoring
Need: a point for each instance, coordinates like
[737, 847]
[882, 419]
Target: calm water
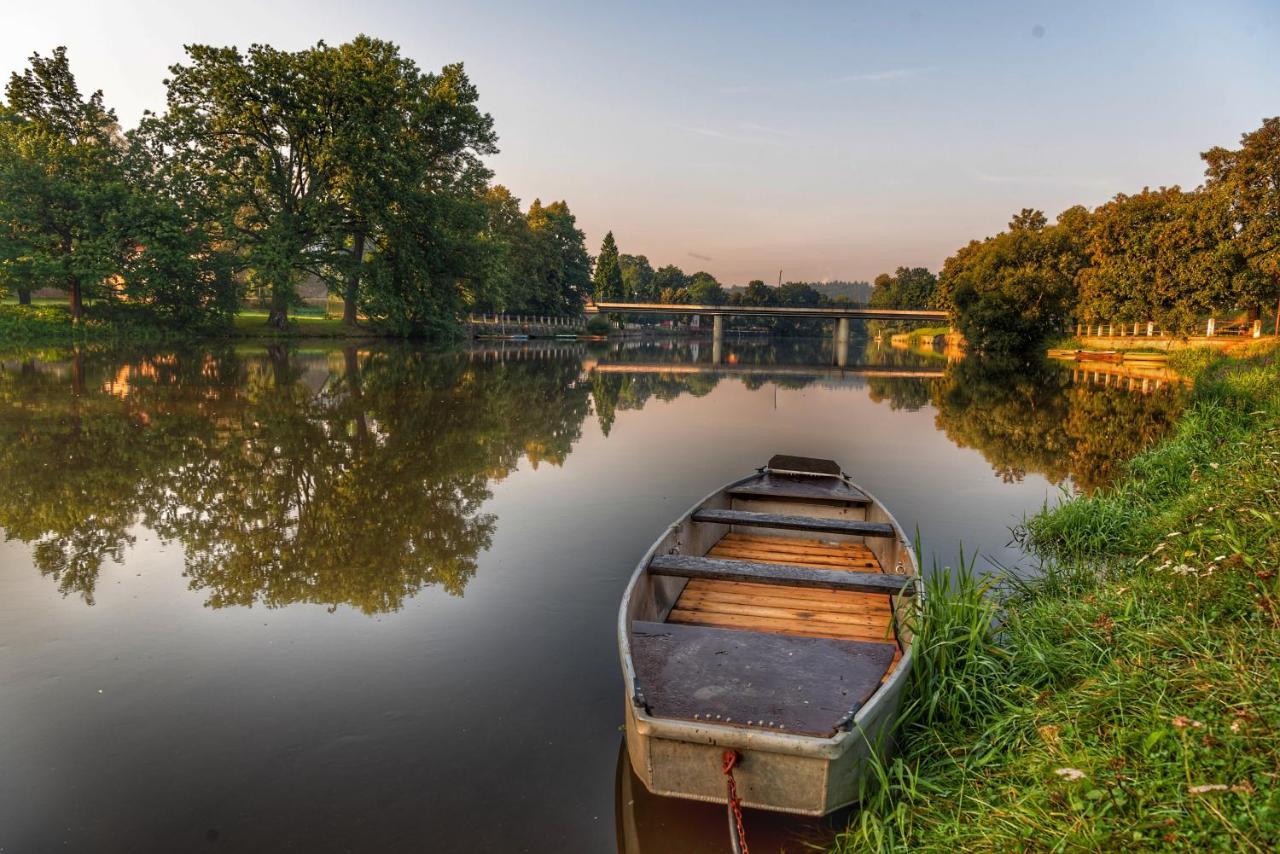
[364, 600]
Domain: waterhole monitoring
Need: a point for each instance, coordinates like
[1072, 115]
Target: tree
[1247, 181]
[607, 278]
[907, 288]
[258, 131]
[757, 293]
[562, 266]
[1162, 256]
[637, 278]
[1009, 291]
[705, 290]
[61, 184]
[398, 133]
[668, 277]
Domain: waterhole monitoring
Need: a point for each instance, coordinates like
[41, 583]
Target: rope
[737, 833]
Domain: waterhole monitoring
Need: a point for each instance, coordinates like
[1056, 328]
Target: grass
[50, 324]
[253, 324]
[1127, 696]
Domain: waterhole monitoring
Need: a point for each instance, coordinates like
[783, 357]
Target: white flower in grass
[1183, 569]
[1070, 774]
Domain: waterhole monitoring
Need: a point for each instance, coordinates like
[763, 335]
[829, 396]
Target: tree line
[348, 163]
[1165, 256]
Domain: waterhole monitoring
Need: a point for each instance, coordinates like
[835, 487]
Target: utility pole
[779, 278]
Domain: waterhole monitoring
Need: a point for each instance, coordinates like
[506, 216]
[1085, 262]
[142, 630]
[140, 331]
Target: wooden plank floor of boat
[844, 615]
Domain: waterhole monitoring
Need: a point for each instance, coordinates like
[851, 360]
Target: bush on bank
[102, 322]
[1129, 695]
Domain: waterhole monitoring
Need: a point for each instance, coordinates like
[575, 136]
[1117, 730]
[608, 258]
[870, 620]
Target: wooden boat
[772, 619]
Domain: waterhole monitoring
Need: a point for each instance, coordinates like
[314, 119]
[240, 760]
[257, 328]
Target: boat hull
[776, 771]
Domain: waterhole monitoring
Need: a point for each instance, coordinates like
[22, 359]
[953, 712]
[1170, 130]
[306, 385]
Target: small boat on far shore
[766, 638]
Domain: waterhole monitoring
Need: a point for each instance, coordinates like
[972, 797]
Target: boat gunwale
[829, 747]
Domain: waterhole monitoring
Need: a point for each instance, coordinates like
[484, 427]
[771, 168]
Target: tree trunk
[24, 296]
[278, 313]
[352, 293]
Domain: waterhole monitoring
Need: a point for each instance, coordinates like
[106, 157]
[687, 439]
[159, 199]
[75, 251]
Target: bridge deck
[833, 312]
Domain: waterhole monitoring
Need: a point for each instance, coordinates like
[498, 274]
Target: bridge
[840, 314]
[833, 312]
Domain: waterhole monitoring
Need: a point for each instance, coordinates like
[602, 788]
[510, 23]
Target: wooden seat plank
[785, 611]
[835, 598]
[800, 544]
[793, 487]
[811, 629]
[795, 523]
[781, 574]
[789, 684]
[739, 553]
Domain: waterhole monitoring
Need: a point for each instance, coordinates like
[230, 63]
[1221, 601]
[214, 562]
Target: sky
[825, 140]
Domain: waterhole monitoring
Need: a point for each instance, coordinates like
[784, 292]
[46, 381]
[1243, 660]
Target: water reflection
[344, 478]
[357, 477]
[1043, 418]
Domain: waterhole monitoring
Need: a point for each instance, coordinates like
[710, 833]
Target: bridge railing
[525, 324]
[1213, 328]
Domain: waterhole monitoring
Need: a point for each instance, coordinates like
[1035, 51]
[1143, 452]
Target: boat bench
[815, 524]
[719, 569]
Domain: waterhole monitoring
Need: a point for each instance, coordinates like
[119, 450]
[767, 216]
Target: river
[364, 598]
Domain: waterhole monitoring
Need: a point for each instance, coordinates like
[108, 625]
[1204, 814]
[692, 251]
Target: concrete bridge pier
[717, 338]
[842, 342]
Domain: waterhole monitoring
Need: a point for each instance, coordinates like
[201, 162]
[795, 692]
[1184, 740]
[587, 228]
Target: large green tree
[1247, 181]
[61, 184]
[1162, 256]
[258, 130]
[401, 134]
[704, 289]
[637, 278]
[1009, 291]
[562, 267]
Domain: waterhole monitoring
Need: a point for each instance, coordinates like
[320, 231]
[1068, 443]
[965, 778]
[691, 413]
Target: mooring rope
[737, 833]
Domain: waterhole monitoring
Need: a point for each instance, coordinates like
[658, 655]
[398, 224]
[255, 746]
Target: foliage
[705, 290]
[1009, 291]
[607, 278]
[61, 184]
[1247, 183]
[1122, 696]
[908, 287]
[1162, 256]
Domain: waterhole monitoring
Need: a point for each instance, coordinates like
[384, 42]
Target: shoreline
[1123, 699]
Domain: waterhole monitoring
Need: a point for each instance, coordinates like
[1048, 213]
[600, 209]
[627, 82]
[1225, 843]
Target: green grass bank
[50, 324]
[1129, 696]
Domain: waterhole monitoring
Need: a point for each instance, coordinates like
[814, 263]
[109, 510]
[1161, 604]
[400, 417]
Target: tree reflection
[356, 478]
[353, 480]
[1030, 418]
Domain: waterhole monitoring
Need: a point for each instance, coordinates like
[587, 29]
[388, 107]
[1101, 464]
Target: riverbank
[1131, 693]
